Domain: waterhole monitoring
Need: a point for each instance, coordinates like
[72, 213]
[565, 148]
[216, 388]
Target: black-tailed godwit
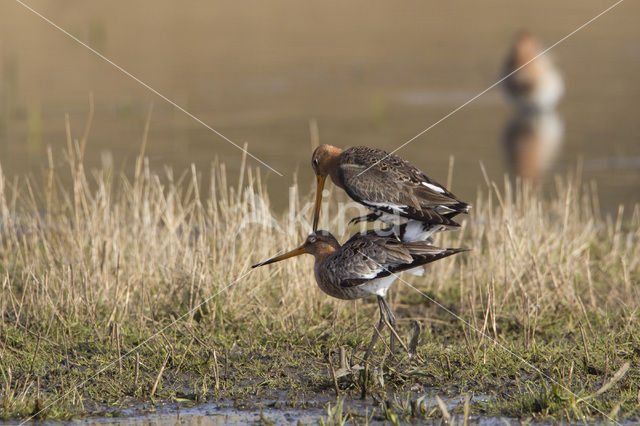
[389, 186]
[538, 85]
[366, 265]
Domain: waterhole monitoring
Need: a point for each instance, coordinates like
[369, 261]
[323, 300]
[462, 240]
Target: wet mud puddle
[320, 410]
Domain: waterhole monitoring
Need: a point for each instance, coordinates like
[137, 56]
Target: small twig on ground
[155, 385]
[215, 370]
[118, 346]
[135, 380]
[333, 373]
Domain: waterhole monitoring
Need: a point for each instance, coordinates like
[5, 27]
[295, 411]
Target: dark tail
[423, 259]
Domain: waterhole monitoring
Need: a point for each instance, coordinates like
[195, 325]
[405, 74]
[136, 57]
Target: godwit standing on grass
[366, 265]
[389, 186]
[538, 85]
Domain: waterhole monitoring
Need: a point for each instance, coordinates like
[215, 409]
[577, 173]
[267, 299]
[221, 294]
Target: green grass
[545, 304]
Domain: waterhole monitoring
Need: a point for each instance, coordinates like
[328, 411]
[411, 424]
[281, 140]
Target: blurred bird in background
[532, 137]
[538, 85]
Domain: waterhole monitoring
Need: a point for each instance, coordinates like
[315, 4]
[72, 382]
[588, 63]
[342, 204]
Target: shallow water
[213, 415]
[368, 73]
[263, 412]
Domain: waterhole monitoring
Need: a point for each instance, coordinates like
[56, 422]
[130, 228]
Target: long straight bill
[316, 210]
[292, 253]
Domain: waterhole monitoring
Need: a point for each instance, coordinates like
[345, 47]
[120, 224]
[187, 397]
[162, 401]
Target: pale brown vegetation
[149, 250]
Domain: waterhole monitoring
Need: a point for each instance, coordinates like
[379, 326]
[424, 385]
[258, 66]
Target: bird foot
[371, 217]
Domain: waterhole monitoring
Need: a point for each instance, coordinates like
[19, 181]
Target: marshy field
[124, 292]
[128, 229]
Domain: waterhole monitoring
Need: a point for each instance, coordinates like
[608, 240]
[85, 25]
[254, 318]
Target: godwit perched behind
[389, 186]
[538, 85]
[366, 265]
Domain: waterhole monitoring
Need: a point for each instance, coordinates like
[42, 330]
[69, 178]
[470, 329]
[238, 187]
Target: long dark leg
[366, 218]
[392, 322]
[377, 331]
[387, 309]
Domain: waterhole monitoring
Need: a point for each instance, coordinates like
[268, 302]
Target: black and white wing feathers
[390, 184]
[366, 257]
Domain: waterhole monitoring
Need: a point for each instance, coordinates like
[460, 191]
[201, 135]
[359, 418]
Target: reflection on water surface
[260, 75]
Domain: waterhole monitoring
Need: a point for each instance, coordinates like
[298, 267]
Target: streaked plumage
[367, 264]
[392, 188]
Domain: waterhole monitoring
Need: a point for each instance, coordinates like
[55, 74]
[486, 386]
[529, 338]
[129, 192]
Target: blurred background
[366, 72]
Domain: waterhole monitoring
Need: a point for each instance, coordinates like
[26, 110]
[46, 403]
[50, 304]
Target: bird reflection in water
[532, 141]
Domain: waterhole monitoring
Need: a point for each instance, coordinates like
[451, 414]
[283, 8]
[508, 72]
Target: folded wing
[390, 184]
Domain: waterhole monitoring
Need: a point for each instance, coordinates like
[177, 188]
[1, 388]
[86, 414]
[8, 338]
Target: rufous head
[324, 161]
[319, 243]
[526, 47]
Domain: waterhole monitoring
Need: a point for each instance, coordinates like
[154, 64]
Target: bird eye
[315, 161]
[312, 239]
